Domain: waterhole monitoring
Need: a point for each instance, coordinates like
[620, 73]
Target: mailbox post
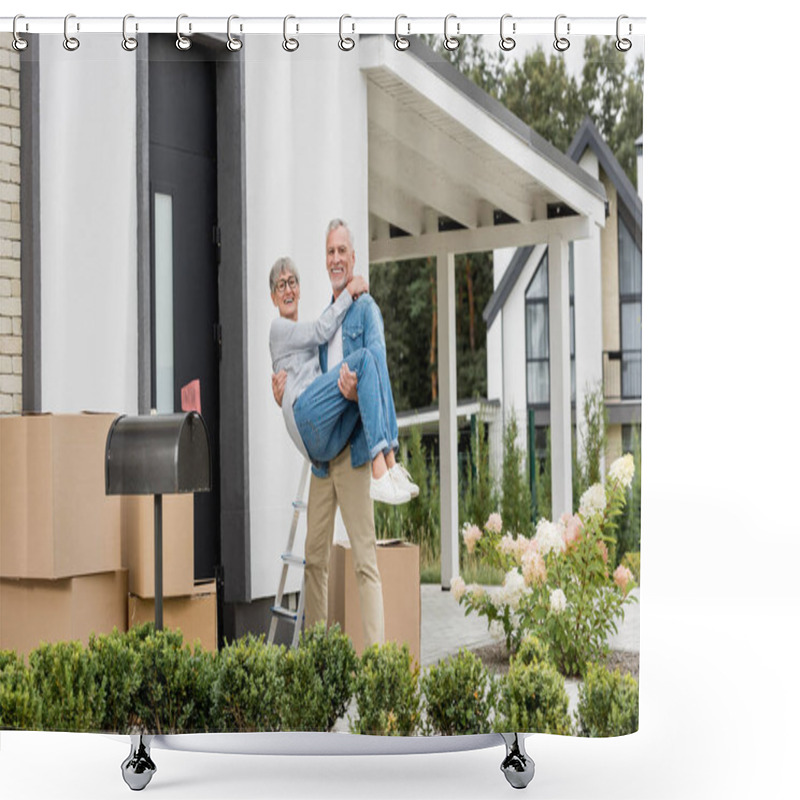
[157, 455]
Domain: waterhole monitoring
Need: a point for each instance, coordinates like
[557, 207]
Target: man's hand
[348, 383]
[279, 386]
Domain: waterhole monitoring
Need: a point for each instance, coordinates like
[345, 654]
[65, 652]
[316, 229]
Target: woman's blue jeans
[326, 418]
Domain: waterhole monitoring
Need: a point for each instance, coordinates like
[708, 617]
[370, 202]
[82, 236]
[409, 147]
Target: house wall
[10, 284]
[88, 222]
[306, 148]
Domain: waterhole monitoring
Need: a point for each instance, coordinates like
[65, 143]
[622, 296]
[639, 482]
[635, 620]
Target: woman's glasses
[283, 285]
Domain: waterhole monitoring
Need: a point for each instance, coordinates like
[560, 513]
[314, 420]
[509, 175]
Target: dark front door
[185, 255]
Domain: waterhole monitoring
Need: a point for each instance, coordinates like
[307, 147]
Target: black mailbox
[158, 454]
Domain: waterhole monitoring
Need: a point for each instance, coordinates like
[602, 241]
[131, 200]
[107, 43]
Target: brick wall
[10, 287]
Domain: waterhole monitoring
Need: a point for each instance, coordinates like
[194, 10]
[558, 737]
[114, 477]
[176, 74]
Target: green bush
[120, 677]
[533, 699]
[633, 561]
[20, 706]
[319, 679]
[516, 505]
[459, 696]
[608, 703]
[387, 692]
[247, 692]
[533, 650]
[66, 677]
[174, 695]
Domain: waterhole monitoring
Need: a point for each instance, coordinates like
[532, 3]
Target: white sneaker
[402, 478]
[385, 490]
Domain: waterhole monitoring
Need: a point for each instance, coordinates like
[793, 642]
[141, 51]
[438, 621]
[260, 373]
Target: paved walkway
[446, 628]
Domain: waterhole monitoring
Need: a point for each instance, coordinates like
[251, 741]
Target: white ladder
[289, 559]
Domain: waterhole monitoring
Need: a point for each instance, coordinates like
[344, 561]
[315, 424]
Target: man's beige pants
[348, 488]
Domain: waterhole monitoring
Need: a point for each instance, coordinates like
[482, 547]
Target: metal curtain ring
[70, 42]
[400, 42]
[182, 42]
[289, 44]
[234, 44]
[450, 42]
[506, 42]
[623, 45]
[18, 43]
[561, 43]
[128, 42]
[345, 43]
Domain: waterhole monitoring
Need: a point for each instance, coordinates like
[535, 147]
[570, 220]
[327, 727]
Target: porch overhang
[451, 169]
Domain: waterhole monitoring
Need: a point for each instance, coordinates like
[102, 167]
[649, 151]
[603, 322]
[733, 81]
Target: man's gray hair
[283, 264]
[339, 223]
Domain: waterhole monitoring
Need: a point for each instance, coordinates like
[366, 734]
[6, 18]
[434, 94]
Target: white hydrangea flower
[548, 537]
[511, 591]
[622, 470]
[558, 601]
[593, 501]
[495, 523]
[458, 588]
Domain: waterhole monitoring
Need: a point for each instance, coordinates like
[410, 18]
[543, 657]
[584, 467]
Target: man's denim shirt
[362, 327]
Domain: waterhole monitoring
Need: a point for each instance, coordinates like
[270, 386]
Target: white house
[605, 320]
[159, 186]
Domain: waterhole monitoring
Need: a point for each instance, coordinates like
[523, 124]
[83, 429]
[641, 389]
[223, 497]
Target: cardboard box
[35, 611]
[138, 544]
[195, 615]
[55, 518]
[398, 564]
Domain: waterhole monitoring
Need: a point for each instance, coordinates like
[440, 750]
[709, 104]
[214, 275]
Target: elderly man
[345, 481]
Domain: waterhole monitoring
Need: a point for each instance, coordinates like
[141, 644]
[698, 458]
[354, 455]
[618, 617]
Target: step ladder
[289, 559]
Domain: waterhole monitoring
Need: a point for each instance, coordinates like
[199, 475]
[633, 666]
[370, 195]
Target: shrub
[20, 706]
[532, 650]
[174, 695]
[608, 703]
[533, 699]
[516, 503]
[67, 680]
[387, 692]
[459, 695]
[120, 677]
[248, 688]
[319, 680]
[557, 584]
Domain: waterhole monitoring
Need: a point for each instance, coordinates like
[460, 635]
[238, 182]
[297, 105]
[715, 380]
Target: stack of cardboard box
[74, 561]
[188, 606]
[61, 573]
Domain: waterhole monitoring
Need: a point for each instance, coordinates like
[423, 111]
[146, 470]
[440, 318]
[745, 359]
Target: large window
[537, 334]
[630, 312]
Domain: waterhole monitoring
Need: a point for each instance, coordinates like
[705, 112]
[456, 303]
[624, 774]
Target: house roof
[587, 136]
[450, 169]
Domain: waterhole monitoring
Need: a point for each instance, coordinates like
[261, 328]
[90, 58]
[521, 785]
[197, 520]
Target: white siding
[88, 226]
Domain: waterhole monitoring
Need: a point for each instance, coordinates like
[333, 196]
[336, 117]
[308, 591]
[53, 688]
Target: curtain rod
[402, 25]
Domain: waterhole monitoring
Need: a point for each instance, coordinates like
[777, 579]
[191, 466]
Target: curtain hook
[623, 45]
[289, 44]
[507, 42]
[347, 43]
[182, 42]
[18, 43]
[400, 42]
[450, 42]
[561, 43]
[234, 44]
[70, 42]
[128, 42]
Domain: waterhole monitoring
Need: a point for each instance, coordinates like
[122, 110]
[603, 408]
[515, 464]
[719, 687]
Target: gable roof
[587, 136]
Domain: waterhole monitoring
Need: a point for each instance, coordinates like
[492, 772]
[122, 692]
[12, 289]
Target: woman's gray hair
[283, 264]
